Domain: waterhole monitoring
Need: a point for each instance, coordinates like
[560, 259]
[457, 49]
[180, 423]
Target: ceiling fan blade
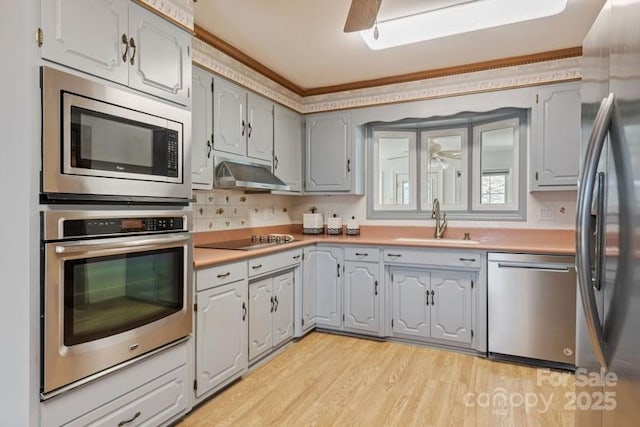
[362, 15]
[451, 154]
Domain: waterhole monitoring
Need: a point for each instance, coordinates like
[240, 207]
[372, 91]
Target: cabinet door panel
[283, 313]
[260, 318]
[259, 127]
[229, 125]
[329, 280]
[409, 302]
[87, 35]
[309, 285]
[287, 147]
[556, 147]
[161, 57]
[361, 292]
[327, 153]
[451, 306]
[201, 121]
[221, 334]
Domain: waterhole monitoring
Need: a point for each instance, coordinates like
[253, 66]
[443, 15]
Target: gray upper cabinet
[555, 137]
[287, 147]
[202, 130]
[328, 153]
[242, 122]
[229, 111]
[119, 41]
[259, 127]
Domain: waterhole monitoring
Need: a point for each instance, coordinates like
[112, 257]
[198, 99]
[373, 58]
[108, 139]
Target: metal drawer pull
[132, 44]
[244, 311]
[222, 276]
[125, 42]
[433, 301]
[296, 257]
[395, 255]
[361, 254]
[467, 259]
[130, 420]
[255, 267]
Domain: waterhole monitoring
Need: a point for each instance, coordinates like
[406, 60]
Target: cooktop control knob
[278, 239]
[254, 238]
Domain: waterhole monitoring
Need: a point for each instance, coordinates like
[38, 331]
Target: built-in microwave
[102, 143]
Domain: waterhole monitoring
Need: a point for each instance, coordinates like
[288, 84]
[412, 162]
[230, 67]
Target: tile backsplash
[231, 209]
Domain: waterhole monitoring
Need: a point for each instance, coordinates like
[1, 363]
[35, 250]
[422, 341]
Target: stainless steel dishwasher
[532, 307]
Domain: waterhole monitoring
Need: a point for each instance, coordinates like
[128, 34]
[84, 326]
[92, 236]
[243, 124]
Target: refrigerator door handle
[601, 221]
[583, 228]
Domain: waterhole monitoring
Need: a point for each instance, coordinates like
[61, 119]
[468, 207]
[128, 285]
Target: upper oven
[100, 143]
[115, 285]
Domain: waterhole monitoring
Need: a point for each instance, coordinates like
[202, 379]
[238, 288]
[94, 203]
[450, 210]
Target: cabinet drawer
[265, 264]
[361, 254]
[220, 275]
[152, 404]
[433, 257]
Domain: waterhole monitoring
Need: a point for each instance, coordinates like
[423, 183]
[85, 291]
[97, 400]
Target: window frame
[515, 211]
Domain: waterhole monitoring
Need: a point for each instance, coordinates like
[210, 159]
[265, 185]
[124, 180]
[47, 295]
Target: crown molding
[485, 79]
[180, 12]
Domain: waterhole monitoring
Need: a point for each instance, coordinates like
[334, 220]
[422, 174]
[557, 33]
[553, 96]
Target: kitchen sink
[434, 240]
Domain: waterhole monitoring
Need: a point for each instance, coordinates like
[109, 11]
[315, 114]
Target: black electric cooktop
[249, 243]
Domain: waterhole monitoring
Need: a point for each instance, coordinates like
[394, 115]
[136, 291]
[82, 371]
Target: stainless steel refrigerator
[608, 222]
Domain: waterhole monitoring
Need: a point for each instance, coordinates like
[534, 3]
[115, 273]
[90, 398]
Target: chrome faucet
[440, 226]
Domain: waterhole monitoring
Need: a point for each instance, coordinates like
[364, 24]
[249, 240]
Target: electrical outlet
[547, 213]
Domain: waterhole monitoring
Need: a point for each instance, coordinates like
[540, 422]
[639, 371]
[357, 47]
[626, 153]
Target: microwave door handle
[92, 245]
[583, 227]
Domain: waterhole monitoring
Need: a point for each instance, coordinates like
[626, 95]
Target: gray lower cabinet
[221, 335]
[329, 263]
[361, 303]
[270, 313]
[432, 304]
[309, 289]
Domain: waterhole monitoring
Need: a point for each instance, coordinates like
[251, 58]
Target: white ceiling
[303, 41]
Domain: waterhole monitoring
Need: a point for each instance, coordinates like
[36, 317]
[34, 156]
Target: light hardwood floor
[332, 380]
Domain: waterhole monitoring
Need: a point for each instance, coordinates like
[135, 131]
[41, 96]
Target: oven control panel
[107, 226]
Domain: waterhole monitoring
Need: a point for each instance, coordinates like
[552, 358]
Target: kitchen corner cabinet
[287, 147]
[432, 305]
[329, 262]
[221, 325]
[119, 41]
[309, 289]
[242, 122]
[202, 130]
[329, 153]
[270, 313]
[555, 137]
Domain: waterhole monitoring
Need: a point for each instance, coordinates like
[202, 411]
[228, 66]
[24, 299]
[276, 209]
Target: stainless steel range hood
[240, 175]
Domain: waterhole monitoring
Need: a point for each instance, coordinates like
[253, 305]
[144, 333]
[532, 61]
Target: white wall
[19, 256]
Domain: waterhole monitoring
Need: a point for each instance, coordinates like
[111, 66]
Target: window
[470, 162]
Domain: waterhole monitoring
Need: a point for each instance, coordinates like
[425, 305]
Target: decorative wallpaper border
[533, 74]
[179, 11]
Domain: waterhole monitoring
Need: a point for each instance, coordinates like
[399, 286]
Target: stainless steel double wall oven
[116, 252]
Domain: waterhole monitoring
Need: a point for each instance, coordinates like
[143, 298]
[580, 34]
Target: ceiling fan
[362, 15]
[438, 157]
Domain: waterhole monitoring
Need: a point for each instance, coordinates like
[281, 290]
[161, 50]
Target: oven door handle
[92, 245]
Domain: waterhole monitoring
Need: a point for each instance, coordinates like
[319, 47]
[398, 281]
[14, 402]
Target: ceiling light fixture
[461, 18]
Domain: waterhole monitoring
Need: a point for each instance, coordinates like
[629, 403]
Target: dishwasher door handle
[537, 267]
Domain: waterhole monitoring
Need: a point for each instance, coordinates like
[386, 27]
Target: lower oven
[115, 285]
